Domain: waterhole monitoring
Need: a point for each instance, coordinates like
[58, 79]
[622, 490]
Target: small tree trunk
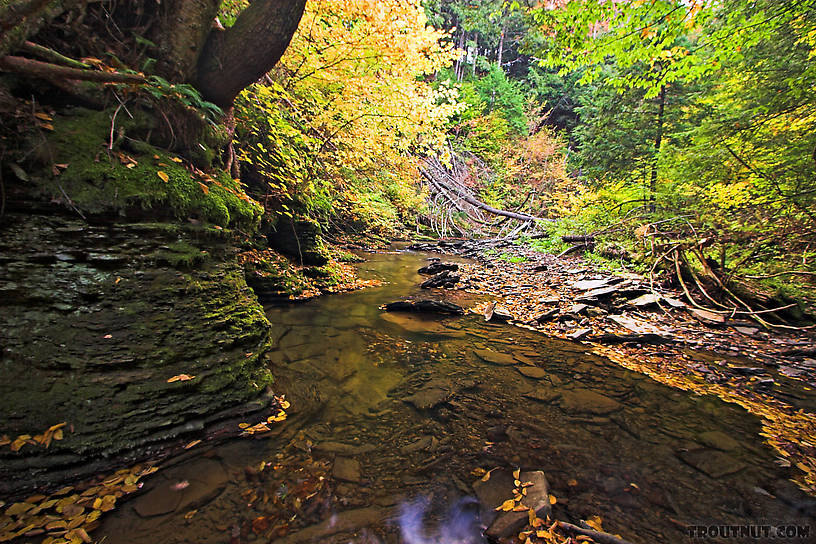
[458, 68]
[475, 52]
[661, 98]
[501, 44]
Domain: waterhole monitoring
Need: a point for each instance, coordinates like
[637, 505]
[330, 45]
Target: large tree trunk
[185, 29]
[236, 58]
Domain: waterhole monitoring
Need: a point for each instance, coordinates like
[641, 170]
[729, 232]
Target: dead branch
[597, 536]
[45, 70]
[53, 56]
[788, 273]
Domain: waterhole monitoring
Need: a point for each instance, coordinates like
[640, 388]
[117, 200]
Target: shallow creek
[389, 408]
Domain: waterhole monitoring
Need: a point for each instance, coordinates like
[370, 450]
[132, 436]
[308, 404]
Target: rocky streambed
[397, 417]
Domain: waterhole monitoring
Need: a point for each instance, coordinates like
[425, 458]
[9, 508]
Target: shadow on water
[388, 408]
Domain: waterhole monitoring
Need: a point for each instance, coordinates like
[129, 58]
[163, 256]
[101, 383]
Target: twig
[788, 273]
[113, 125]
[597, 536]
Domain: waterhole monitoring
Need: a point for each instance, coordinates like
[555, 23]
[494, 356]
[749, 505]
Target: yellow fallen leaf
[180, 378]
[191, 444]
[43, 116]
[595, 523]
[553, 500]
[519, 508]
[165, 178]
[543, 533]
[572, 482]
[516, 474]
[176, 159]
[506, 506]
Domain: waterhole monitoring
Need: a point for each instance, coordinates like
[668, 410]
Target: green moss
[181, 255]
[99, 180]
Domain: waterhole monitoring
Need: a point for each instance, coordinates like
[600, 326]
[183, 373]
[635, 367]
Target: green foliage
[510, 258]
[504, 96]
[183, 93]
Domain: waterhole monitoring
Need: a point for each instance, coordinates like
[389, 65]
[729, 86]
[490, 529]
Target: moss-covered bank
[96, 320]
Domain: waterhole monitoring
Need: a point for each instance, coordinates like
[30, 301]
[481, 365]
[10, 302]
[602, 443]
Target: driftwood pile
[455, 210]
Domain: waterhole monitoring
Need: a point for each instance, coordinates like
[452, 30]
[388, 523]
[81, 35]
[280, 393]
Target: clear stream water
[389, 408]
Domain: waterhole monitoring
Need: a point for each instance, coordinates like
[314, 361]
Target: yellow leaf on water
[180, 378]
[165, 178]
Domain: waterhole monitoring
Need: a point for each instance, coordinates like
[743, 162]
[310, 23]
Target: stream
[391, 408]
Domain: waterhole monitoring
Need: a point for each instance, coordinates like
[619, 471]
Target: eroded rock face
[96, 319]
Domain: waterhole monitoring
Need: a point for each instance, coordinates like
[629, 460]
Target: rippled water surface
[389, 407]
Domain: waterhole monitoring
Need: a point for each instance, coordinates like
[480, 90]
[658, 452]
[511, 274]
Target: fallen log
[587, 239]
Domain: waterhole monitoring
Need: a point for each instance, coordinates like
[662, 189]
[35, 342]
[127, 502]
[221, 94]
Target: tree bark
[501, 44]
[187, 24]
[658, 141]
[239, 56]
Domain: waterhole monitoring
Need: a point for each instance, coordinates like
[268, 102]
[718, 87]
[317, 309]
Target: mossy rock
[299, 239]
[142, 180]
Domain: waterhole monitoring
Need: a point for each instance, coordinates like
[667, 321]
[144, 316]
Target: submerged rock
[711, 462]
[347, 469]
[499, 488]
[495, 357]
[588, 402]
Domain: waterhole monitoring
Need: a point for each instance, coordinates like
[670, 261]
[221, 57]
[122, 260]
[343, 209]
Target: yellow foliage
[361, 65]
